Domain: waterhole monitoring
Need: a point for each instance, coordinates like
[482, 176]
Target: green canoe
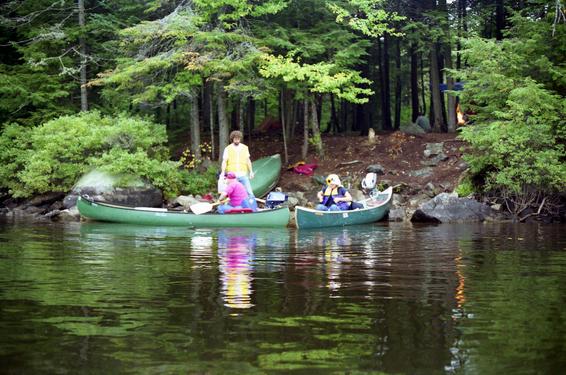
[101, 211]
[374, 210]
[267, 172]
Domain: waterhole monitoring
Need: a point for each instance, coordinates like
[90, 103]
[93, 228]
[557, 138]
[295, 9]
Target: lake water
[385, 298]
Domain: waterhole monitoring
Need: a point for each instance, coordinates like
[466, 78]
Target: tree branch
[534, 213]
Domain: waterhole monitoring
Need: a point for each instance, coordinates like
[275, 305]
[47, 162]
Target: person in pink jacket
[236, 192]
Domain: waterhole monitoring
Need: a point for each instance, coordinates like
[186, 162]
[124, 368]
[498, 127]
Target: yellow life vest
[237, 158]
[329, 192]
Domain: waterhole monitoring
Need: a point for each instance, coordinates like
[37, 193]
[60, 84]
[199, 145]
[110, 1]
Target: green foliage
[14, 142]
[514, 87]
[465, 188]
[367, 16]
[318, 78]
[31, 95]
[315, 140]
[230, 12]
[524, 143]
[197, 182]
[41, 74]
[168, 57]
[53, 156]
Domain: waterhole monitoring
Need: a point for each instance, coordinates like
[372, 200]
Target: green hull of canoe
[309, 218]
[100, 211]
[267, 171]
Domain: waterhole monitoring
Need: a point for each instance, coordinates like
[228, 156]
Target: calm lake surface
[385, 298]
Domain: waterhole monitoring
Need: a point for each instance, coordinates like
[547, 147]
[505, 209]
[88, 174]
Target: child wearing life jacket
[334, 196]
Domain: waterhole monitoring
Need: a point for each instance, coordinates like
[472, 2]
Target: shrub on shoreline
[53, 156]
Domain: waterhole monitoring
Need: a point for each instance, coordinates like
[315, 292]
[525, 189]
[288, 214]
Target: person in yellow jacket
[236, 159]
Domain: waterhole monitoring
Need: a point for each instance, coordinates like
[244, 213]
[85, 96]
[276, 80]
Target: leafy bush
[521, 147]
[519, 131]
[51, 157]
[201, 183]
[465, 188]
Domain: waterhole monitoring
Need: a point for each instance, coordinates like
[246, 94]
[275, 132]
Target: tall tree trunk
[437, 120]
[499, 19]
[174, 116]
[398, 86]
[414, 83]
[355, 118]
[250, 118]
[211, 118]
[241, 122]
[462, 29]
[374, 62]
[333, 128]
[350, 118]
[295, 114]
[168, 115]
[305, 147]
[316, 130]
[82, 47]
[384, 79]
[344, 108]
[223, 125]
[423, 86]
[366, 118]
[319, 108]
[288, 106]
[282, 110]
[195, 127]
[451, 99]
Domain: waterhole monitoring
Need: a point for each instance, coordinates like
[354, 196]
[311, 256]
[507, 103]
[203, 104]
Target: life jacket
[329, 194]
[237, 158]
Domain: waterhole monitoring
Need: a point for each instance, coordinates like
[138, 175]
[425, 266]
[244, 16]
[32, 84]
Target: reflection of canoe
[374, 210]
[136, 231]
[161, 217]
[267, 172]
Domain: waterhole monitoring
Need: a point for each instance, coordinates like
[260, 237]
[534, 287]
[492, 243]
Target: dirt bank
[402, 157]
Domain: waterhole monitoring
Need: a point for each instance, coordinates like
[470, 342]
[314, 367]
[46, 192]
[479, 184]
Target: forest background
[153, 88]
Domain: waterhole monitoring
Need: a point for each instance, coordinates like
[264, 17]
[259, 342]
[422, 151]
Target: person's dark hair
[236, 134]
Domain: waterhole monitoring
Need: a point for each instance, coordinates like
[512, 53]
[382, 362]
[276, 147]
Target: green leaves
[317, 78]
[53, 156]
[519, 132]
[366, 16]
[521, 146]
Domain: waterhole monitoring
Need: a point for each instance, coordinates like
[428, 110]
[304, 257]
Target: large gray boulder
[424, 123]
[101, 186]
[412, 129]
[449, 208]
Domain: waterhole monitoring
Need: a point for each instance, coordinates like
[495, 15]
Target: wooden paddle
[204, 207]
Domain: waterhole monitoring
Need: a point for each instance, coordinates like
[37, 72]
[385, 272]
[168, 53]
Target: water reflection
[235, 253]
[333, 245]
[351, 259]
[108, 298]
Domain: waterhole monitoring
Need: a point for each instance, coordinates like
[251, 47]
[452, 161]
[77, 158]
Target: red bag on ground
[305, 169]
